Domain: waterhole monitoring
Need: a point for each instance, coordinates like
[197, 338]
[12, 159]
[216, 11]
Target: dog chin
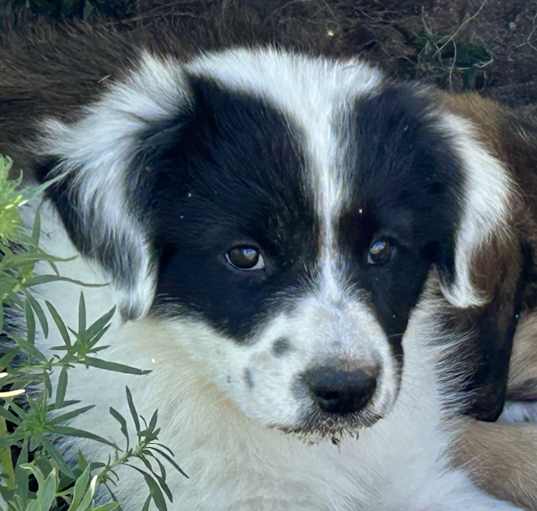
[318, 427]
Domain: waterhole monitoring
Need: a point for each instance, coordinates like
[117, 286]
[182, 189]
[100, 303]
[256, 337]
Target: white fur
[519, 411]
[234, 462]
[326, 325]
[98, 154]
[221, 433]
[487, 195]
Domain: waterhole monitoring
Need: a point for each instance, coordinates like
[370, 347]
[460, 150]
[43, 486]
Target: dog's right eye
[245, 257]
[380, 252]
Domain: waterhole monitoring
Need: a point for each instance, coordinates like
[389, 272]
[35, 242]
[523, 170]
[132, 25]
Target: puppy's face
[292, 253]
[291, 211]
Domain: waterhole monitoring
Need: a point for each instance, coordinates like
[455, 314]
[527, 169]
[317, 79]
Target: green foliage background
[34, 475]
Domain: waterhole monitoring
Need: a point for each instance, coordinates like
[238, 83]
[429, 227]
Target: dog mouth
[318, 426]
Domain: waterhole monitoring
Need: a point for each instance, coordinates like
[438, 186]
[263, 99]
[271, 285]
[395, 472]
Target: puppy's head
[282, 214]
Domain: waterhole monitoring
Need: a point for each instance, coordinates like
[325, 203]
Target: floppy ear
[484, 280]
[104, 184]
[500, 271]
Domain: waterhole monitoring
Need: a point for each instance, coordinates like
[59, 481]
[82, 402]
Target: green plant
[449, 58]
[444, 59]
[34, 473]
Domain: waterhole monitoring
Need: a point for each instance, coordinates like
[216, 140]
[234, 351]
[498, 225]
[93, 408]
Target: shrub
[35, 476]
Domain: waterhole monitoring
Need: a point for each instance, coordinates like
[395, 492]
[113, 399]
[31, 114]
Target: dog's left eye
[245, 257]
[380, 252]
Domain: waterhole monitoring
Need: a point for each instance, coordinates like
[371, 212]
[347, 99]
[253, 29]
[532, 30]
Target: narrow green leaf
[122, 423]
[85, 503]
[70, 402]
[132, 408]
[48, 383]
[35, 471]
[46, 279]
[147, 503]
[114, 366]
[59, 348]
[169, 459]
[154, 488]
[39, 312]
[82, 462]
[56, 456]
[98, 325]
[59, 324]
[163, 473]
[81, 488]
[109, 490]
[36, 228]
[81, 314]
[30, 323]
[94, 339]
[38, 280]
[99, 349]
[161, 478]
[22, 476]
[6, 414]
[9, 440]
[153, 421]
[61, 388]
[66, 417]
[7, 359]
[54, 266]
[21, 412]
[114, 481]
[46, 494]
[79, 433]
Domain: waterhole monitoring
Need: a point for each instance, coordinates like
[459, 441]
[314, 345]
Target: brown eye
[245, 257]
[380, 252]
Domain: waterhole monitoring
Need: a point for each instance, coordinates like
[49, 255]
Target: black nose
[338, 391]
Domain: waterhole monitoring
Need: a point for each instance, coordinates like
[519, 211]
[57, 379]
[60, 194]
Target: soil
[484, 45]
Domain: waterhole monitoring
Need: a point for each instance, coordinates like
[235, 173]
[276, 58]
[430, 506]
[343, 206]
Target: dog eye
[245, 257]
[380, 252]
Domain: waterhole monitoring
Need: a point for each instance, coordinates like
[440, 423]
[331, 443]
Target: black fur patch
[230, 171]
[405, 182]
[281, 346]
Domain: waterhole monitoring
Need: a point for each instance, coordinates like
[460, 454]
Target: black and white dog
[304, 253]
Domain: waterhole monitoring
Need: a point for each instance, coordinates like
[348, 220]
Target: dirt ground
[484, 45]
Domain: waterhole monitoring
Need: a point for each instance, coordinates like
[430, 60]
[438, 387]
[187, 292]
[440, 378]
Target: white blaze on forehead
[313, 93]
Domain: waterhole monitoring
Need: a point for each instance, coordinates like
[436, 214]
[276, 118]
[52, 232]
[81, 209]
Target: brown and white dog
[323, 268]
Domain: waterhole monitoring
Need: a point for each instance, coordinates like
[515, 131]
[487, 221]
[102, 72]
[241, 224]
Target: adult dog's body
[301, 251]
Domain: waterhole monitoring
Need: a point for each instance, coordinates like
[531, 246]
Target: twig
[461, 26]
[453, 65]
[529, 41]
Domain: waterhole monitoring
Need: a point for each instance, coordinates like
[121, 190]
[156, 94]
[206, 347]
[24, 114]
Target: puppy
[322, 268]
